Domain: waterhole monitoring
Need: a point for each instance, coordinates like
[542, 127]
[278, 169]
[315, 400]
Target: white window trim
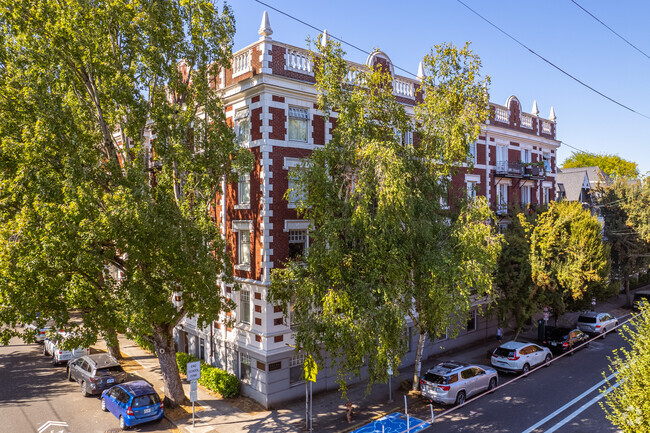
[296, 225]
[241, 301]
[243, 225]
[239, 194]
[307, 119]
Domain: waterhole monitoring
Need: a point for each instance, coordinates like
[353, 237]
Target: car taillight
[565, 344]
[444, 387]
[129, 411]
[94, 379]
[513, 358]
[597, 326]
[494, 354]
[421, 382]
[161, 405]
[60, 352]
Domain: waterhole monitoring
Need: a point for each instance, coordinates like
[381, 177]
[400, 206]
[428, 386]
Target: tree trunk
[628, 300]
[166, 351]
[418, 360]
[112, 343]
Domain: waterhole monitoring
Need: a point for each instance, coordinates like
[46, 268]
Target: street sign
[194, 370]
[546, 316]
[311, 369]
[194, 385]
[193, 395]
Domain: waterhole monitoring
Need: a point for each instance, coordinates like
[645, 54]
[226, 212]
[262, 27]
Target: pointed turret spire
[535, 110]
[552, 115]
[323, 40]
[265, 28]
[421, 71]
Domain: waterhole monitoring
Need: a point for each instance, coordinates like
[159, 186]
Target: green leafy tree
[517, 297]
[612, 165]
[383, 250]
[628, 252]
[627, 398]
[90, 94]
[638, 208]
[569, 260]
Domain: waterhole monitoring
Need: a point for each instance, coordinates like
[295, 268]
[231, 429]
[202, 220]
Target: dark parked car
[96, 372]
[641, 298]
[133, 403]
[561, 340]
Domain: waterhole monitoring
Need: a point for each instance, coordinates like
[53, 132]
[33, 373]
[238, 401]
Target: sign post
[193, 375]
[310, 371]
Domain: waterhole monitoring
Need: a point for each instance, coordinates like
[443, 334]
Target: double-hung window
[525, 196]
[298, 123]
[245, 306]
[471, 189]
[242, 230]
[245, 368]
[471, 157]
[297, 244]
[546, 198]
[242, 125]
[244, 189]
[502, 198]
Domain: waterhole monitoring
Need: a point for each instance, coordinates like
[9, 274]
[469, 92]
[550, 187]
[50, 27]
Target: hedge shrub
[215, 379]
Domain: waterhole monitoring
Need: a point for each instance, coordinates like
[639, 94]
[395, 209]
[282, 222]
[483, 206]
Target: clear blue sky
[558, 30]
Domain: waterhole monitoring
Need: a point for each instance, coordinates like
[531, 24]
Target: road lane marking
[569, 404]
[582, 408]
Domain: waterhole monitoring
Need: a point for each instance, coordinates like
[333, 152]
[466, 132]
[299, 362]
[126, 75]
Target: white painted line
[52, 424]
[569, 404]
[582, 408]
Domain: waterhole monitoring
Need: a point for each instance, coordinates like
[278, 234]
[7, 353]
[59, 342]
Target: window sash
[297, 129]
[244, 247]
[244, 189]
[245, 307]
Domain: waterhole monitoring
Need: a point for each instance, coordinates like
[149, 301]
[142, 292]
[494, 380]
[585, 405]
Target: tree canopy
[569, 260]
[637, 207]
[113, 144]
[385, 251]
[612, 165]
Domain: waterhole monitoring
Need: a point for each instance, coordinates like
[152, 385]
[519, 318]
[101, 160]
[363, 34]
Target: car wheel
[70, 379]
[493, 384]
[123, 425]
[84, 390]
[460, 398]
[547, 360]
[526, 369]
[104, 405]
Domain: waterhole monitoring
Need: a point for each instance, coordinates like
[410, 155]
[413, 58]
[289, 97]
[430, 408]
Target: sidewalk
[221, 416]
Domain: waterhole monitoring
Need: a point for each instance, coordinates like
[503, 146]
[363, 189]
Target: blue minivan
[133, 403]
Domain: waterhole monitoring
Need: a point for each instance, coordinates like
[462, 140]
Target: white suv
[515, 356]
[51, 346]
[596, 323]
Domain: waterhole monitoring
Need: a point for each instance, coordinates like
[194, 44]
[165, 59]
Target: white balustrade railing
[351, 76]
[299, 61]
[241, 63]
[526, 121]
[546, 127]
[500, 114]
[403, 88]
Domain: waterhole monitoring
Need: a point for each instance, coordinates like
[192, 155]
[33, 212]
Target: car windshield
[506, 353]
[586, 319]
[435, 378]
[108, 370]
[145, 400]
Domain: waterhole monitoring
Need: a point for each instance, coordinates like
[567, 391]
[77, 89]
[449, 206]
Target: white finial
[535, 110]
[323, 40]
[265, 28]
[552, 115]
[420, 71]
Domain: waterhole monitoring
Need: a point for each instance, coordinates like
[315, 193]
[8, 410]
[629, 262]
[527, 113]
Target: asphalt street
[36, 397]
[563, 397]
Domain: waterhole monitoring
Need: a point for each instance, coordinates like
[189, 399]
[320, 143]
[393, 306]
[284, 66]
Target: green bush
[215, 379]
[182, 359]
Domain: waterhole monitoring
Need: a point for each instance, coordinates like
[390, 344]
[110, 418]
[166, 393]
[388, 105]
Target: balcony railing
[519, 169]
[241, 63]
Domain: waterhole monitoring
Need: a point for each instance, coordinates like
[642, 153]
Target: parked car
[133, 403]
[641, 297]
[561, 340]
[52, 347]
[516, 356]
[95, 373]
[596, 323]
[454, 382]
[41, 332]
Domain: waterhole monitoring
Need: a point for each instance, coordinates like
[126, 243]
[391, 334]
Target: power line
[551, 63]
[609, 28]
[328, 34]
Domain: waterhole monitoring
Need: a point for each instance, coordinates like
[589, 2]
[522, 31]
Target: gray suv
[95, 373]
[596, 323]
[454, 382]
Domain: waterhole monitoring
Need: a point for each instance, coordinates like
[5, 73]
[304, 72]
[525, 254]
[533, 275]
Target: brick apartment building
[270, 101]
